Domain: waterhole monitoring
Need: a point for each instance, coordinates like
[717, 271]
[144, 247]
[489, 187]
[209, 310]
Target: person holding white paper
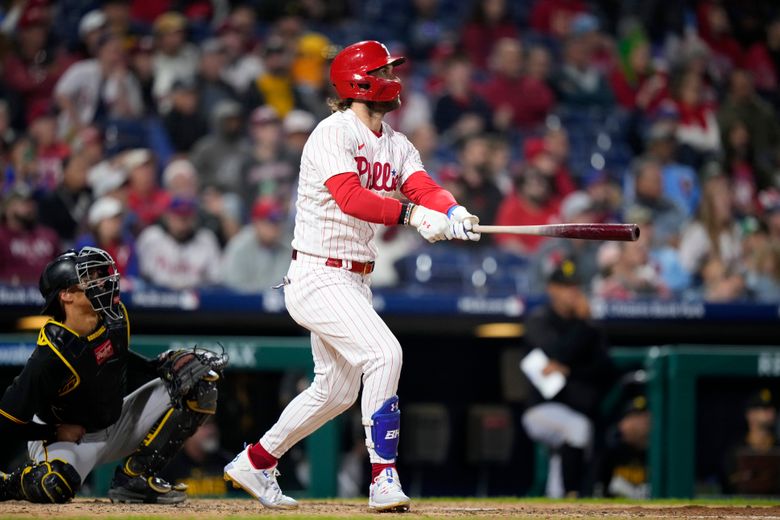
[576, 350]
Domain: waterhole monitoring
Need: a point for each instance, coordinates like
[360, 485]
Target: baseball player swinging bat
[619, 232]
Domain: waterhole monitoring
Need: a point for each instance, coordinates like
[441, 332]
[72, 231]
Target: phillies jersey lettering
[342, 144]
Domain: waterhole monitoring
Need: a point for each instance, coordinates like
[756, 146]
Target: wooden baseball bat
[620, 232]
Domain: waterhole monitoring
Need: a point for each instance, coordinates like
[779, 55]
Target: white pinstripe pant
[350, 343]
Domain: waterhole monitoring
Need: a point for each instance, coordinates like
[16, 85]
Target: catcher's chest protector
[92, 393]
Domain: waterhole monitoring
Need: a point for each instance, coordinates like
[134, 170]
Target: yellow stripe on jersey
[43, 340]
[11, 417]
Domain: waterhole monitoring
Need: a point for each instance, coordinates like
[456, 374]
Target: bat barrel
[619, 232]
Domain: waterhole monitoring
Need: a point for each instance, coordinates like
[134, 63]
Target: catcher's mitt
[183, 369]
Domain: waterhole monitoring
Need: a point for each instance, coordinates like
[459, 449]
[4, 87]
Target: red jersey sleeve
[356, 201]
[422, 190]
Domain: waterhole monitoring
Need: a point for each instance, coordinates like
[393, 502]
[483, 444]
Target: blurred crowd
[169, 133]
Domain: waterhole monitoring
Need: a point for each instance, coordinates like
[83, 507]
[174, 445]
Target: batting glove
[432, 225]
[462, 223]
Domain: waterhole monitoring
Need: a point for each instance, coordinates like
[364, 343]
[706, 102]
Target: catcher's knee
[48, 482]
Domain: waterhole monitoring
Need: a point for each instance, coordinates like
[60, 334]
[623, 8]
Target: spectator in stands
[65, 208]
[532, 202]
[760, 439]
[184, 123]
[25, 245]
[770, 202]
[548, 155]
[539, 64]
[623, 464]
[635, 82]
[630, 272]
[108, 232]
[145, 198]
[426, 141]
[554, 17]
[142, 65]
[680, 183]
[490, 22]
[220, 212]
[763, 282]
[714, 233]
[93, 90]
[743, 105]
[50, 152]
[211, 86]
[91, 27]
[524, 112]
[459, 111]
[715, 30]
[605, 194]
[668, 218]
[471, 181]
[174, 57]
[698, 132]
[218, 156]
[274, 86]
[763, 62]
[664, 257]
[258, 257]
[180, 179]
[425, 26]
[175, 253]
[577, 350]
[579, 84]
[741, 168]
[107, 178]
[243, 65]
[34, 67]
[577, 207]
[297, 126]
[266, 170]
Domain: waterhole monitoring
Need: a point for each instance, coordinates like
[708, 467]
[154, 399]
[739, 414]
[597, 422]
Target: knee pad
[47, 482]
[385, 427]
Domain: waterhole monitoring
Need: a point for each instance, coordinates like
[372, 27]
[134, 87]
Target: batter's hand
[462, 223]
[432, 225]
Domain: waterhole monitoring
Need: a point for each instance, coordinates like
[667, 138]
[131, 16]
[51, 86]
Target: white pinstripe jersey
[342, 143]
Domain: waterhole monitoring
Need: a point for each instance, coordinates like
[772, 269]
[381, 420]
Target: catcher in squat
[70, 399]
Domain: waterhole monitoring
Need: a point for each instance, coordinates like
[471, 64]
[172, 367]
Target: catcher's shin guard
[171, 430]
[48, 482]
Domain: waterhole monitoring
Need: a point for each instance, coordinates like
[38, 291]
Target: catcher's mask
[92, 270]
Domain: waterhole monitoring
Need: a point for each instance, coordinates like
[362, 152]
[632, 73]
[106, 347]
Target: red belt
[356, 267]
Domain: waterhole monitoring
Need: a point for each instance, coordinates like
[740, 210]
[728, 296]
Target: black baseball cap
[565, 273]
[761, 399]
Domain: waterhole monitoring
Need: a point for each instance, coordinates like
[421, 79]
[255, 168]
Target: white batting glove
[462, 223]
[432, 225]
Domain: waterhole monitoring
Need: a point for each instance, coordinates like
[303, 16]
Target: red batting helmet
[350, 68]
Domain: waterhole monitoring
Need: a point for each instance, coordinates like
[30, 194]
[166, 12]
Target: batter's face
[384, 107]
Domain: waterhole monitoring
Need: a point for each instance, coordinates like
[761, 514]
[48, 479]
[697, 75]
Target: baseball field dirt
[426, 508]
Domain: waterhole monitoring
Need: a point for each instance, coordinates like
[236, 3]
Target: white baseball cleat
[260, 483]
[385, 493]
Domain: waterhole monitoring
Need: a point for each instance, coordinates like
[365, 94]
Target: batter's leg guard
[48, 482]
[385, 426]
[136, 480]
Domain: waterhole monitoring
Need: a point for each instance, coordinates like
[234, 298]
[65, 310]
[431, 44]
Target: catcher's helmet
[92, 270]
[350, 68]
